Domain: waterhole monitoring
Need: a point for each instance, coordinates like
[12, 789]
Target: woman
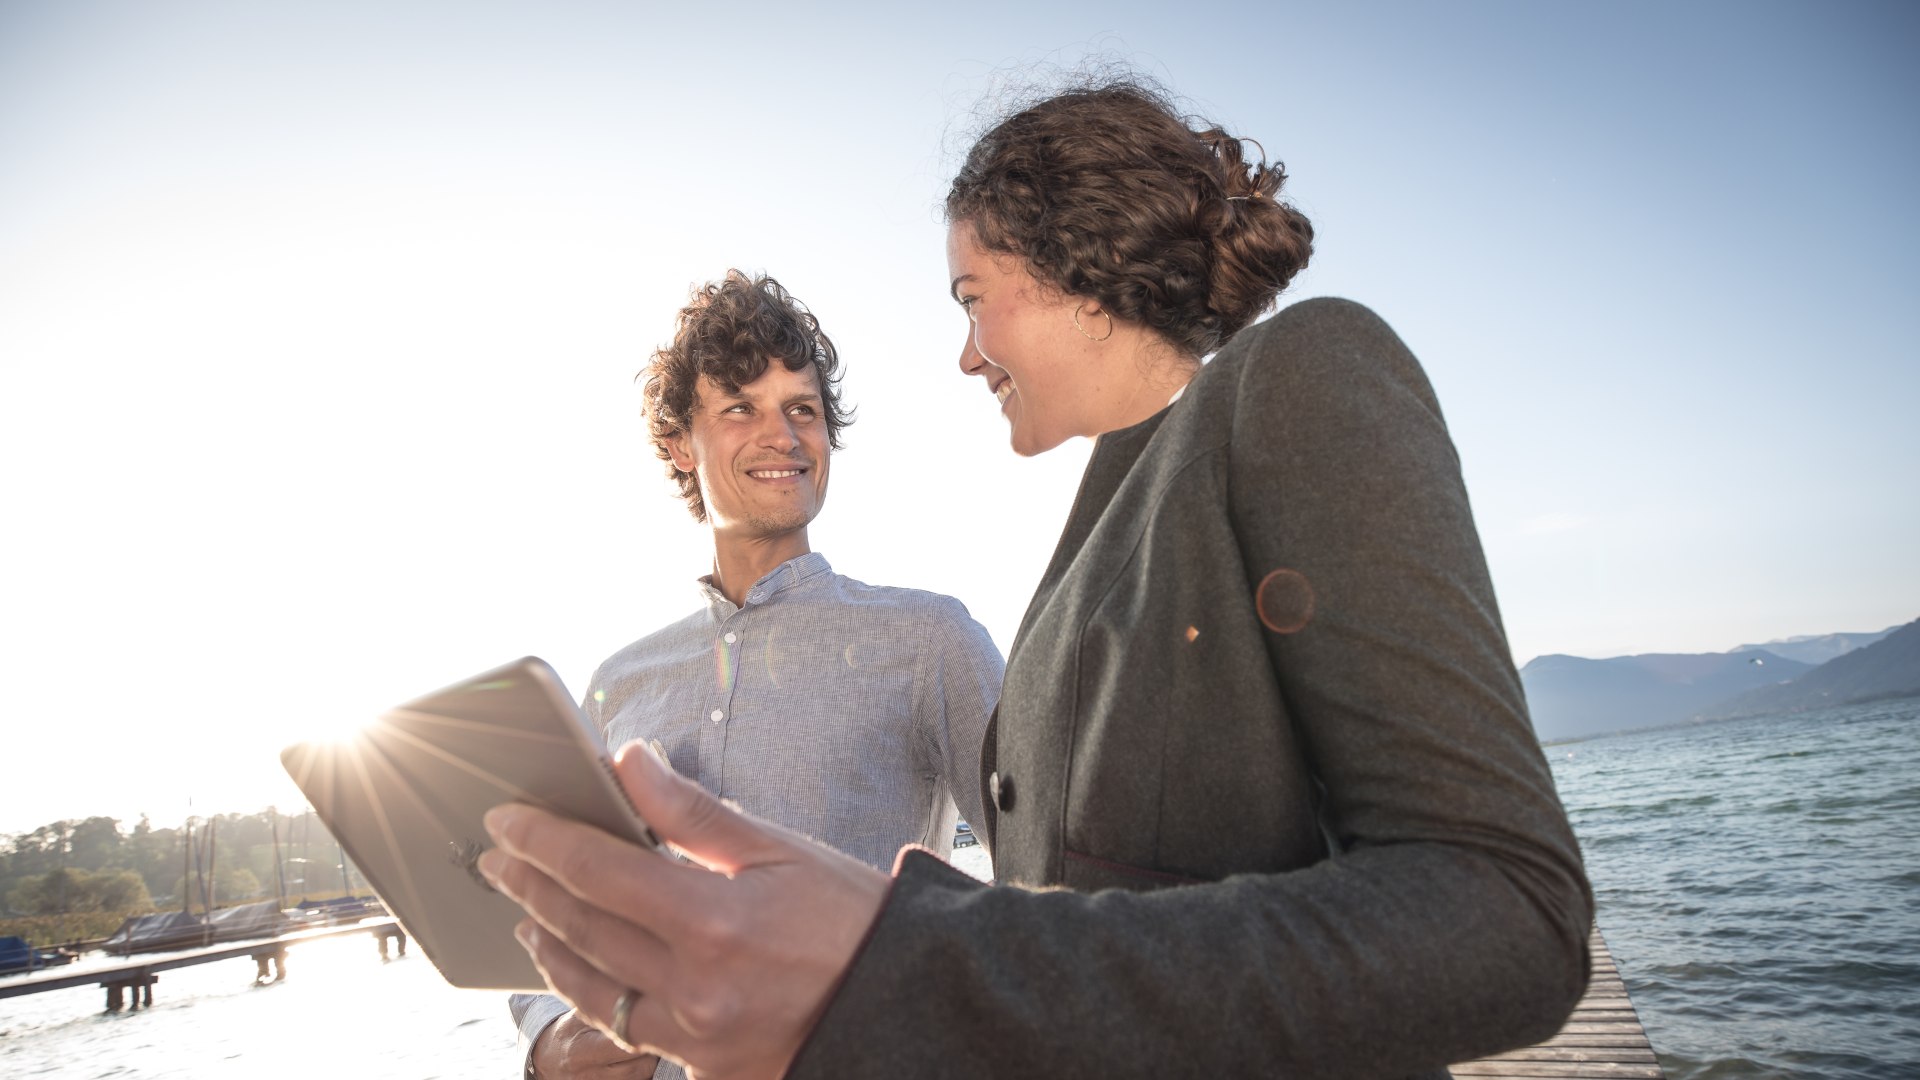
[1260, 719]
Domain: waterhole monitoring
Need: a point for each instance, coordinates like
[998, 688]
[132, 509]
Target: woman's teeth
[1004, 389]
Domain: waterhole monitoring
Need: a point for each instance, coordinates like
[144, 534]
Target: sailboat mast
[279, 874]
[186, 868]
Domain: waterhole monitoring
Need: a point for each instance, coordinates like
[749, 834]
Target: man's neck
[739, 562]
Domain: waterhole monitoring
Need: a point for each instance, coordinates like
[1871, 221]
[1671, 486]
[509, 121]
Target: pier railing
[138, 976]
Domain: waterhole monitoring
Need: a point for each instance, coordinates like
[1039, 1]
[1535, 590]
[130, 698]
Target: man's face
[760, 455]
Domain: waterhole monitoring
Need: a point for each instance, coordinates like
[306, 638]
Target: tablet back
[405, 796]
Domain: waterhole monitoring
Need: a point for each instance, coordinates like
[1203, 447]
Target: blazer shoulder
[1323, 325]
[1318, 348]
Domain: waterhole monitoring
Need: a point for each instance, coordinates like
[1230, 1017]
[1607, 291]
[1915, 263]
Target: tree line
[95, 866]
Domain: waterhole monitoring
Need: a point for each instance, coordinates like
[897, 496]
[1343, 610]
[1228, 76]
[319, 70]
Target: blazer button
[1001, 788]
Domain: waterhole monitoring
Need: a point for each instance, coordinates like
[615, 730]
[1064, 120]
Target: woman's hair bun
[1107, 191]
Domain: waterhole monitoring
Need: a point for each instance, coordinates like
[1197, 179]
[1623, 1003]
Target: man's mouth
[774, 474]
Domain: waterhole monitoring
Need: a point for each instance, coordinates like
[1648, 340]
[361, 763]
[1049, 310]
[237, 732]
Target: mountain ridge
[1573, 697]
[1889, 667]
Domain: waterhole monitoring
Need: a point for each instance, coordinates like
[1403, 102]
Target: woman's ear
[1094, 322]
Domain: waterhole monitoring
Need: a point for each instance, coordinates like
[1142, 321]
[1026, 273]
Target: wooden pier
[1603, 1037]
[131, 982]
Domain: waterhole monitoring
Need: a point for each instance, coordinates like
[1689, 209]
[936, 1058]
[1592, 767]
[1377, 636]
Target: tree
[231, 885]
[95, 843]
[73, 891]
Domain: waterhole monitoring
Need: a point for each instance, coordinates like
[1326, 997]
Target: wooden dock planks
[1603, 1037]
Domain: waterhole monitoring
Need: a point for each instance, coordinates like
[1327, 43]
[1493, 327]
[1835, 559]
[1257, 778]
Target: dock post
[270, 965]
[397, 934]
[131, 992]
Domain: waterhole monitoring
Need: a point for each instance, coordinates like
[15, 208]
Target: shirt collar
[775, 581]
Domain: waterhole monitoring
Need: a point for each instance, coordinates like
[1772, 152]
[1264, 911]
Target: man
[852, 713]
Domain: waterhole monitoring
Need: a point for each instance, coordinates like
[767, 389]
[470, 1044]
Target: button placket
[726, 681]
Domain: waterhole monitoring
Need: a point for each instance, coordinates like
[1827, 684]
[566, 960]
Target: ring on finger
[623, 1015]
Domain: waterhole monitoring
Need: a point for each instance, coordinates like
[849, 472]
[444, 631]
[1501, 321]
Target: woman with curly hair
[1264, 795]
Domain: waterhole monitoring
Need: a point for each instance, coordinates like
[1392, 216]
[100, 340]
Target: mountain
[1890, 667]
[1571, 696]
[1816, 648]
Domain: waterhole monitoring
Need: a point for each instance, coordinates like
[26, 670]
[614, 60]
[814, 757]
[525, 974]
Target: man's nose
[777, 432]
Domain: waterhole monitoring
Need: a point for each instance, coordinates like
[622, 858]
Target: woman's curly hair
[730, 331]
[1106, 191]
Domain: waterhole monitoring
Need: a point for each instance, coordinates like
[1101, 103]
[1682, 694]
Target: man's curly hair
[730, 331]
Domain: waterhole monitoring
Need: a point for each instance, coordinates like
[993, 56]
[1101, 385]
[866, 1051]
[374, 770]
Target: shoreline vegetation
[75, 881]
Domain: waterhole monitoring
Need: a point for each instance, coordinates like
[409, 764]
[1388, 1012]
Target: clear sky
[318, 324]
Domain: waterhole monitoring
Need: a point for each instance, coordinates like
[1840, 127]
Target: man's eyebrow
[953, 289]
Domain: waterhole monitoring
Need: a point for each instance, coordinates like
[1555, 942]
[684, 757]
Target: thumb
[688, 816]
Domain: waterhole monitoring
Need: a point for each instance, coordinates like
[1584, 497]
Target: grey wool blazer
[1269, 802]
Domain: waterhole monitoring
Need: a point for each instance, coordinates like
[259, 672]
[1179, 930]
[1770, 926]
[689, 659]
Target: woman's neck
[1151, 378]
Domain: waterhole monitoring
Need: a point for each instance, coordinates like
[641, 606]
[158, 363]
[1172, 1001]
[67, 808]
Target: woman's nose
[971, 361]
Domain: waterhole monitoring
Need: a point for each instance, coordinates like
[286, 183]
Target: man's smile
[781, 472]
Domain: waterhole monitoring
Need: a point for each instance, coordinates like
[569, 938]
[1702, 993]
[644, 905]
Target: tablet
[405, 794]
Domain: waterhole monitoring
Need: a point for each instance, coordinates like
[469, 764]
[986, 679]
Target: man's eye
[804, 410]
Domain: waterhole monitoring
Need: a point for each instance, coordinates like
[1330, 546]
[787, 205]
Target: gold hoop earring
[1083, 330]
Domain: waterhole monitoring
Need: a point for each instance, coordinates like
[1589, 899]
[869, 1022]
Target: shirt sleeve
[1452, 921]
[957, 688]
[533, 1014]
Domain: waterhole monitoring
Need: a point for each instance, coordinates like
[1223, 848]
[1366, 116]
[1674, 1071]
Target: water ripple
[1759, 884]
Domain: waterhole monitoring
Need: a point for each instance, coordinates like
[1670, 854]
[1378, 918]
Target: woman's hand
[732, 959]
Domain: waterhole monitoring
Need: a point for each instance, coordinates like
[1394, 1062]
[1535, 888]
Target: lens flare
[723, 665]
[1284, 601]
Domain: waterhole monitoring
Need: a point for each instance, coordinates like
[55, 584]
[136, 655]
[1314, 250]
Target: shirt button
[718, 716]
[1001, 789]
[731, 637]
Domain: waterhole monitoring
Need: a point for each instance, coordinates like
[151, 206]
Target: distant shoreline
[1702, 721]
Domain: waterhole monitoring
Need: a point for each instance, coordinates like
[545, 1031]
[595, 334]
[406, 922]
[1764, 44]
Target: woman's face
[1021, 340]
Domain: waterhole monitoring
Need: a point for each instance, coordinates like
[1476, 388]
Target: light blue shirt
[850, 712]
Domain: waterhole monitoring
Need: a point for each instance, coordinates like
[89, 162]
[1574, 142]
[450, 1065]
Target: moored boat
[16, 956]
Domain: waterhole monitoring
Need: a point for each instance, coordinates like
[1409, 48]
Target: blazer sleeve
[1452, 920]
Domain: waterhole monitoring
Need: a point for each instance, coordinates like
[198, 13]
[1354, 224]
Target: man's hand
[573, 1049]
[732, 955]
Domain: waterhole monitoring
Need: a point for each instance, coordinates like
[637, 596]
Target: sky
[319, 321]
